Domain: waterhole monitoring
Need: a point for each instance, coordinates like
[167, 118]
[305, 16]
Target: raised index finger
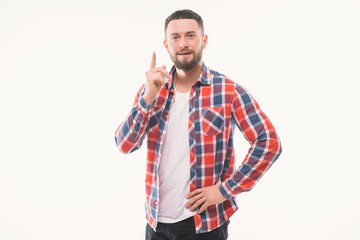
[153, 61]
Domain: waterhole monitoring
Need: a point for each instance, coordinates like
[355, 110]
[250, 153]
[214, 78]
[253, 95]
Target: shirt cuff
[143, 106]
[226, 191]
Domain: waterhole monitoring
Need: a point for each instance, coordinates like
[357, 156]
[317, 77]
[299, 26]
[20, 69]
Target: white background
[69, 72]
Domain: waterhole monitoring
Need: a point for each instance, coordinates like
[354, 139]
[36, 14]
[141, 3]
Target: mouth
[184, 53]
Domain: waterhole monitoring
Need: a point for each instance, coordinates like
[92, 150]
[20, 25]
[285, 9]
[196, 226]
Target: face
[185, 42]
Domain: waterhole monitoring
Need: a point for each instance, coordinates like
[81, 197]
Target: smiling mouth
[184, 53]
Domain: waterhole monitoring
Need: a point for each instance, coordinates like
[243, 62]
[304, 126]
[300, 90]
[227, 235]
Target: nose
[183, 43]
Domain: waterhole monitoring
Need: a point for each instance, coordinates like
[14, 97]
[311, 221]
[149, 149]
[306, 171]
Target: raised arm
[131, 132]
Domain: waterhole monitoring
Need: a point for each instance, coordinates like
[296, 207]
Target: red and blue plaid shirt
[216, 105]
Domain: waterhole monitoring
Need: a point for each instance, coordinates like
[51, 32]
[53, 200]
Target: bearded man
[188, 116]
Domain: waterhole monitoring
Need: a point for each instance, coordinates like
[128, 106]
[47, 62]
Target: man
[189, 116]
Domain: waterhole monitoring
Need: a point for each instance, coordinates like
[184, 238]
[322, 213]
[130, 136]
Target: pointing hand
[154, 80]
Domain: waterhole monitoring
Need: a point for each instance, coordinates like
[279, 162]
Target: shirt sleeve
[265, 144]
[131, 132]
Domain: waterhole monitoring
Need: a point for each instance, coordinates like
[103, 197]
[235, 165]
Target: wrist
[148, 99]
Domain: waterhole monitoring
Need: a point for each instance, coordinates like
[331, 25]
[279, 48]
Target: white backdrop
[69, 72]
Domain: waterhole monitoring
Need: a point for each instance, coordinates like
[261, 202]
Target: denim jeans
[184, 230]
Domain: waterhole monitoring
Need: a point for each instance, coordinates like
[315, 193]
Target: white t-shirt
[174, 168]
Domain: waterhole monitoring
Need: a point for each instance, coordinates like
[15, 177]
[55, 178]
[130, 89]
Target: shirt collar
[205, 77]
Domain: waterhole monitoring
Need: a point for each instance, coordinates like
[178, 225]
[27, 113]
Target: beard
[186, 65]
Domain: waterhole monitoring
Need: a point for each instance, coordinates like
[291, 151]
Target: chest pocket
[212, 120]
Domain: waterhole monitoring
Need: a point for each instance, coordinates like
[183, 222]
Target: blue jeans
[184, 230]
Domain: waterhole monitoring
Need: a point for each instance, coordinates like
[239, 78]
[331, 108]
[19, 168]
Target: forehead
[182, 26]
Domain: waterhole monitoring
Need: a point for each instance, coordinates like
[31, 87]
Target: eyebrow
[185, 33]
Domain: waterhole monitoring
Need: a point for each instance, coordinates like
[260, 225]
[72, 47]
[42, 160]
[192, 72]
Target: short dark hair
[185, 14]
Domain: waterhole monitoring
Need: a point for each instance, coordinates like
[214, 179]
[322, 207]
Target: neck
[184, 79]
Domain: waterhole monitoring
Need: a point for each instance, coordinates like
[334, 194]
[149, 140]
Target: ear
[205, 40]
[166, 45]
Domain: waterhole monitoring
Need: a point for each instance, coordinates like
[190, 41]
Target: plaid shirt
[216, 105]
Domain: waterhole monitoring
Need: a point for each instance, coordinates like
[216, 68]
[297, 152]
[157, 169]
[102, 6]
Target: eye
[174, 38]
